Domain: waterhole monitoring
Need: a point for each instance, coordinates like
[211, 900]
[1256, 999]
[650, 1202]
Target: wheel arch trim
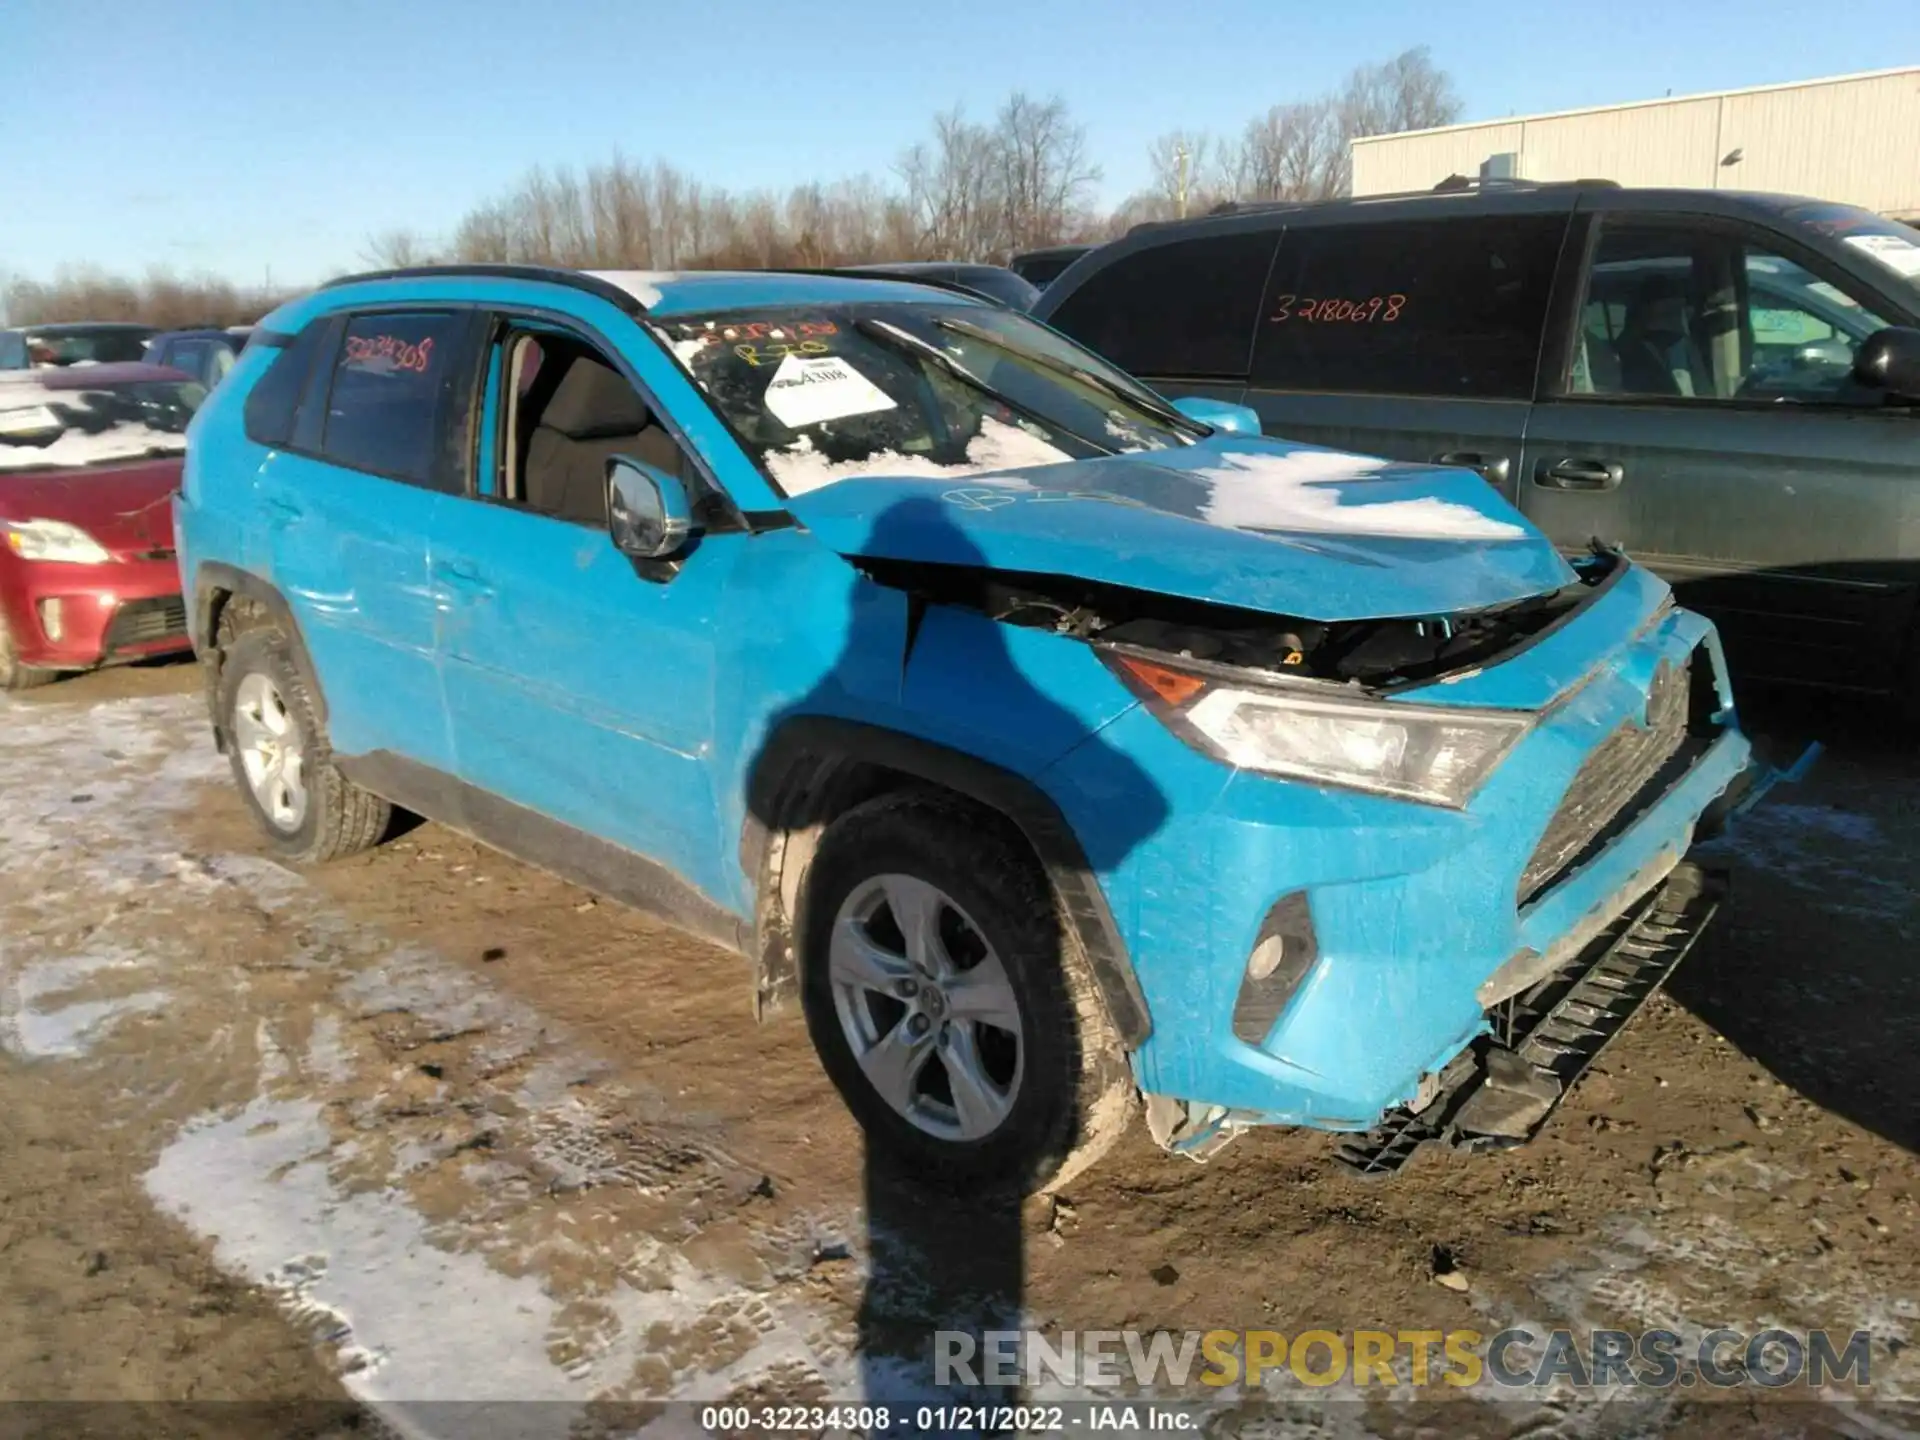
[814, 767]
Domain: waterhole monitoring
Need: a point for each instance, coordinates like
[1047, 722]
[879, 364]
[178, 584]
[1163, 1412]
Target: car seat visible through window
[592, 414]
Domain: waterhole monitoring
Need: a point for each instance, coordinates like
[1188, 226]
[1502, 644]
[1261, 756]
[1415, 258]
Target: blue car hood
[1259, 524]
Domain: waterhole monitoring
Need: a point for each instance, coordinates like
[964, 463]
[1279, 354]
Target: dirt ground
[430, 1125]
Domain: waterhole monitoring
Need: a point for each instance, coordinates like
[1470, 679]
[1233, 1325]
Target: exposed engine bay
[1378, 654]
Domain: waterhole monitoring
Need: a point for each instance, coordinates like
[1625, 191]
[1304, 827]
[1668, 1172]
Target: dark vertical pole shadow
[943, 1265]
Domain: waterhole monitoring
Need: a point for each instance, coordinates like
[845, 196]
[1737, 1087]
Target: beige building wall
[1854, 138]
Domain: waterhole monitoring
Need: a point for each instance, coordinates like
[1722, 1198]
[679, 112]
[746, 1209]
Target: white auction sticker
[1896, 252]
[806, 392]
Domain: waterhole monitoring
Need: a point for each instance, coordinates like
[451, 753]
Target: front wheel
[309, 811]
[950, 1005]
[14, 675]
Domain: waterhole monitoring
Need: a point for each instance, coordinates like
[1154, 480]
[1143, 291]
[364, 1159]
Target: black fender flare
[212, 579]
[813, 767]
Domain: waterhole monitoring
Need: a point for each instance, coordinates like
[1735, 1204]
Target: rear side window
[1423, 307]
[276, 395]
[1182, 309]
[391, 379]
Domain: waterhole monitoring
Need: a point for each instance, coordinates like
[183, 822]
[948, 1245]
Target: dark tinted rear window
[276, 395]
[1422, 307]
[1186, 308]
[390, 379]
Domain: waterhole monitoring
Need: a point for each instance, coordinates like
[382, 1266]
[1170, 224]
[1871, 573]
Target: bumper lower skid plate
[1501, 1092]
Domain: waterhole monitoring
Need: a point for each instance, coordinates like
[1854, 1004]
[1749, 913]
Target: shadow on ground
[1810, 968]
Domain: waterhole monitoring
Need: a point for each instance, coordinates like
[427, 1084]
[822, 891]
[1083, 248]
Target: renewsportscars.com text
[1514, 1358]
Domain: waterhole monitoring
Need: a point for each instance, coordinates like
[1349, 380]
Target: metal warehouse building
[1853, 138]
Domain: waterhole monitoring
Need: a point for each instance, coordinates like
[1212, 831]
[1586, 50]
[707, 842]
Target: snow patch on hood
[998, 446]
[1297, 490]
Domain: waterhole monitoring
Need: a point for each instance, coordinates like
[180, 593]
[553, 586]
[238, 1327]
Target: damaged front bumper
[1413, 941]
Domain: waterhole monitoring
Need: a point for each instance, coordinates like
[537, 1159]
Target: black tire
[14, 675]
[1075, 1091]
[340, 818]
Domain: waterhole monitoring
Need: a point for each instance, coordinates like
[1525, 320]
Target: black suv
[1722, 383]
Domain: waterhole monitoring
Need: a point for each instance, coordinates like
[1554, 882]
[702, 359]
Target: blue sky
[238, 136]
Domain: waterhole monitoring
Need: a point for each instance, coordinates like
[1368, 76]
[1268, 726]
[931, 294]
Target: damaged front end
[1376, 656]
[1419, 862]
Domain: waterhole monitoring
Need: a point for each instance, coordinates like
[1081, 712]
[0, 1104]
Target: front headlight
[53, 540]
[1429, 753]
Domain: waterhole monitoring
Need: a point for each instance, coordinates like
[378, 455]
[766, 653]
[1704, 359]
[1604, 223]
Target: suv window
[564, 410]
[1679, 313]
[1186, 308]
[390, 379]
[275, 396]
[1420, 307]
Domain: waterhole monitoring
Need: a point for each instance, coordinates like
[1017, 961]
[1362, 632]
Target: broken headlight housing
[1433, 754]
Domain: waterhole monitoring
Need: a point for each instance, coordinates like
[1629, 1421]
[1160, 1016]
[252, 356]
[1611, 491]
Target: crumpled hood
[1258, 524]
[124, 507]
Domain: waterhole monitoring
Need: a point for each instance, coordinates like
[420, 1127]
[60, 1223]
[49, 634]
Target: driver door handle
[1575, 473]
[1493, 469]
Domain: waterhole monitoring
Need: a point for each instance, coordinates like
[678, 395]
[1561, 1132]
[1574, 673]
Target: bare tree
[953, 188]
[1045, 174]
[1408, 92]
[162, 299]
[1293, 152]
[1191, 171]
[396, 249]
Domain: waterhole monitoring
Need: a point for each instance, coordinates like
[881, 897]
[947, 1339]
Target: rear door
[1415, 338]
[1703, 415]
[349, 507]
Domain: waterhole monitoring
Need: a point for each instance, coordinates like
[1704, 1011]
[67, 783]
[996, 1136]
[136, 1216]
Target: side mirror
[1889, 360]
[1233, 419]
[649, 514]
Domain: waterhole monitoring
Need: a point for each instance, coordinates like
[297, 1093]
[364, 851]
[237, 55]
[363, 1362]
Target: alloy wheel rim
[271, 753]
[925, 1004]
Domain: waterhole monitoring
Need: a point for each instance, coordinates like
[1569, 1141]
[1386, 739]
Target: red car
[89, 456]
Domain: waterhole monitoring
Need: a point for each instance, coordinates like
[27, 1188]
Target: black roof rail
[547, 274]
[1453, 184]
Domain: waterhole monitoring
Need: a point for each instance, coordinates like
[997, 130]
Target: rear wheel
[278, 749]
[14, 675]
[950, 1005]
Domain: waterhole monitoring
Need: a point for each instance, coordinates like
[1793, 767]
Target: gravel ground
[432, 1125]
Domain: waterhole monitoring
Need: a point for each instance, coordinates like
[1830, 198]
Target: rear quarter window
[1186, 308]
[1449, 307]
[275, 397]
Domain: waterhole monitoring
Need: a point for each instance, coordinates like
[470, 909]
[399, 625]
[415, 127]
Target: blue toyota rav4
[1058, 747]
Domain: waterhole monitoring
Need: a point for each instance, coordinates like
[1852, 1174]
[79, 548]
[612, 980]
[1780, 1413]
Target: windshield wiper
[1138, 399]
[898, 339]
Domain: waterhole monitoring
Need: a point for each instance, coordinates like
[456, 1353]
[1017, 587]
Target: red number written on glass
[1384, 309]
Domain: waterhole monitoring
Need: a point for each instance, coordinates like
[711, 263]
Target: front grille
[1631, 769]
[141, 622]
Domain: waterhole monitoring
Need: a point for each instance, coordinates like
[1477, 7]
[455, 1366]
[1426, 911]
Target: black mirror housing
[1889, 360]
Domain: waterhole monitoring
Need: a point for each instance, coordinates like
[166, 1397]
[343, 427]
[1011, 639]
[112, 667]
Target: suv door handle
[1493, 469]
[284, 509]
[1576, 474]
